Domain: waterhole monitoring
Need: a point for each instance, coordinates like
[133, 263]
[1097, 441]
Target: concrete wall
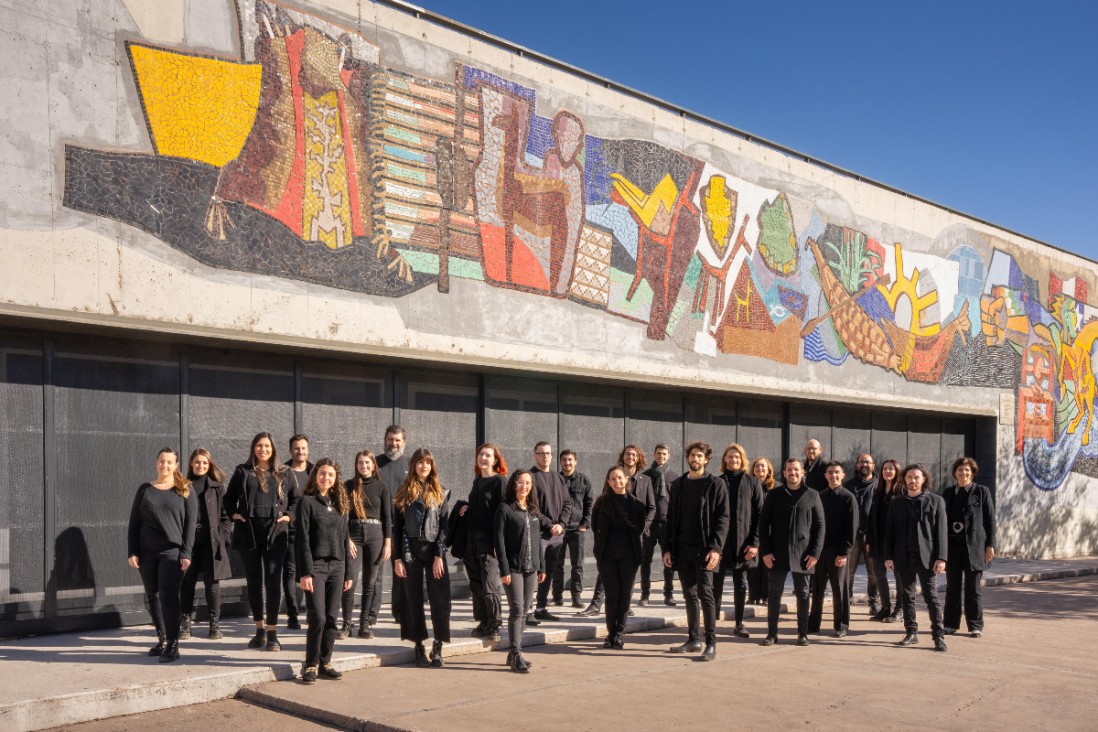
[345, 176]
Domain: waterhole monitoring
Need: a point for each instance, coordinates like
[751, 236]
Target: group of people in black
[303, 525]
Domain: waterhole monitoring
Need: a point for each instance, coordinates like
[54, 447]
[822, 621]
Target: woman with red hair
[481, 560]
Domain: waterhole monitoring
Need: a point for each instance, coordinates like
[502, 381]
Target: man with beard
[579, 523]
[300, 467]
[840, 527]
[791, 534]
[863, 484]
[814, 466]
[697, 527]
[392, 466]
[555, 505]
[662, 477]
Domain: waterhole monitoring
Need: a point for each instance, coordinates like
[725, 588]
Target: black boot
[345, 630]
[436, 654]
[171, 652]
[669, 601]
[909, 640]
[365, 631]
[260, 639]
[161, 644]
[421, 656]
[185, 627]
[272, 641]
[215, 628]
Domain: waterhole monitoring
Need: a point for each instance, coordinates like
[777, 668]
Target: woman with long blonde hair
[371, 530]
[763, 472]
[422, 508]
[211, 542]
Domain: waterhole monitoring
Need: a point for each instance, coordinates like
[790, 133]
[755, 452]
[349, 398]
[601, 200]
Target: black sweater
[554, 501]
[517, 536]
[161, 520]
[321, 534]
[484, 498]
[840, 520]
[378, 504]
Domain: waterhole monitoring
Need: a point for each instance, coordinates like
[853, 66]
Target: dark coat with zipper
[714, 517]
[791, 527]
[636, 515]
[221, 526]
[511, 531]
[240, 496]
[745, 500]
[979, 521]
[931, 531]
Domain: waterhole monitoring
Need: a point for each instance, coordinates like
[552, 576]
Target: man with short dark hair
[662, 477]
[863, 484]
[300, 468]
[555, 506]
[697, 526]
[575, 533]
[840, 527]
[392, 467]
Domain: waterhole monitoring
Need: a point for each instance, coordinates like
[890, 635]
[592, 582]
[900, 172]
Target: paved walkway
[63, 679]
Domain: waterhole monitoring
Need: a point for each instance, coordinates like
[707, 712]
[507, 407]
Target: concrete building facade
[224, 217]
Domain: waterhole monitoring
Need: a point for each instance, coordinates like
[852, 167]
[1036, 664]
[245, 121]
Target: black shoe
[769, 640]
[292, 623]
[940, 645]
[577, 603]
[478, 632]
[840, 633]
[741, 632]
[171, 652]
[365, 631]
[897, 612]
[344, 631]
[532, 620]
[185, 628]
[518, 664]
[802, 640]
[609, 641]
[511, 659]
[493, 635]
[874, 610]
[687, 647]
[710, 653]
[272, 642]
[618, 642]
[669, 601]
[544, 614]
[436, 654]
[909, 640]
[215, 630]
[590, 611]
[308, 674]
[259, 640]
[558, 602]
[643, 602]
[329, 671]
[949, 631]
[421, 656]
[161, 644]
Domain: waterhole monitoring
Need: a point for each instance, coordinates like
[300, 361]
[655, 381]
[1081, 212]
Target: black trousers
[163, 577]
[756, 583]
[263, 569]
[859, 554]
[368, 564]
[697, 589]
[775, 582]
[413, 620]
[959, 575]
[520, 598]
[906, 576]
[322, 608]
[573, 545]
[291, 591]
[396, 595]
[881, 578]
[826, 572]
[553, 550]
[619, 574]
[485, 588]
[648, 550]
[201, 563]
[739, 590]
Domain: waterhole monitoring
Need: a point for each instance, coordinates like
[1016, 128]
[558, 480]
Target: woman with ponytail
[160, 539]
[618, 521]
[371, 529]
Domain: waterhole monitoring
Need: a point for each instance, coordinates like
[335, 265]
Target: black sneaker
[532, 620]
[308, 674]
[436, 654]
[259, 640]
[478, 632]
[802, 640]
[329, 671]
[292, 623]
[493, 635]
[544, 614]
[365, 631]
[272, 642]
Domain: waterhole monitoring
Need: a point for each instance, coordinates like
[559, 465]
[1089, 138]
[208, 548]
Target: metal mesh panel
[518, 414]
[760, 430]
[889, 437]
[592, 422]
[807, 422]
[924, 445]
[852, 434]
[21, 519]
[115, 410]
[345, 410]
[439, 412]
[655, 417]
[711, 419]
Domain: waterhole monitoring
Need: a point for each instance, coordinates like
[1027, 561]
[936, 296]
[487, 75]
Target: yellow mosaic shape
[909, 286]
[197, 108]
[647, 206]
[327, 213]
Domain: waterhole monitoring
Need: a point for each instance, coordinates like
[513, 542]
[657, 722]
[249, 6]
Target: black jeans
[573, 545]
[322, 608]
[618, 575]
[906, 576]
[201, 563]
[697, 589]
[826, 571]
[756, 582]
[553, 550]
[485, 587]
[368, 562]
[739, 590]
[958, 574]
[520, 596]
[859, 554]
[291, 591]
[413, 620]
[263, 567]
[163, 577]
[775, 582]
[880, 576]
[648, 550]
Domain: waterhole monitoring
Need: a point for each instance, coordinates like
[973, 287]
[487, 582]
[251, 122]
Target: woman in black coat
[160, 539]
[261, 502]
[618, 522]
[371, 530]
[741, 549]
[517, 540]
[970, 510]
[213, 533]
[888, 488]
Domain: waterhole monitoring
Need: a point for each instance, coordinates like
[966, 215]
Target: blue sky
[986, 107]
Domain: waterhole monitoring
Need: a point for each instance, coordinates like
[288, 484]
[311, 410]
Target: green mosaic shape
[777, 242]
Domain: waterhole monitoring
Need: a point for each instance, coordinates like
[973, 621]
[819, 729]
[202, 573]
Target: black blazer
[931, 528]
[240, 497]
[745, 500]
[791, 530]
[221, 526]
[636, 513]
[640, 485]
[511, 529]
[714, 517]
[978, 517]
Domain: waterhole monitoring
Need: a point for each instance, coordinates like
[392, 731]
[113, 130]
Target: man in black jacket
[840, 527]
[555, 504]
[863, 484]
[392, 467]
[575, 533]
[300, 467]
[814, 466]
[791, 534]
[662, 477]
[697, 528]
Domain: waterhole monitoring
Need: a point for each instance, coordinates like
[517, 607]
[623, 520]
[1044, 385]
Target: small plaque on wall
[1007, 406]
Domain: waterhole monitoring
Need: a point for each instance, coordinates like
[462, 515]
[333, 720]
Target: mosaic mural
[308, 158]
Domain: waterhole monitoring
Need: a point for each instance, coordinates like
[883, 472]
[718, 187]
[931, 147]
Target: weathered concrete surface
[65, 679]
[1033, 670]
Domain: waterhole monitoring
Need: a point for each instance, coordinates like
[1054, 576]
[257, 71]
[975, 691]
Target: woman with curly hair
[518, 547]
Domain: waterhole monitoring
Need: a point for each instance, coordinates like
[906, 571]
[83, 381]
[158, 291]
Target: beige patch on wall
[158, 20]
